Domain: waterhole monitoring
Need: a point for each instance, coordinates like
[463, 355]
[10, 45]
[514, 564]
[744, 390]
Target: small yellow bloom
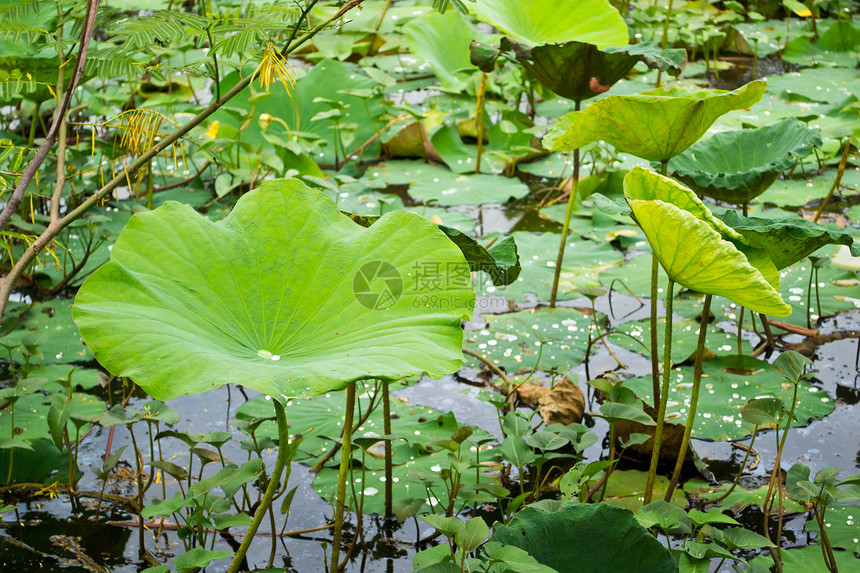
[275, 66]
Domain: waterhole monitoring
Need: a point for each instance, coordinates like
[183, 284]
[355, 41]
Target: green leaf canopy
[738, 166]
[536, 22]
[286, 295]
[693, 246]
[655, 125]
[581, 71]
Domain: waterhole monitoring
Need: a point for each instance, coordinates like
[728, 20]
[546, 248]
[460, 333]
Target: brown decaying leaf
[564, 403]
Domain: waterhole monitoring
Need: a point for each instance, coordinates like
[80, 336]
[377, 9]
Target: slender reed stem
[694, 399]
[386, 424]
[345, 462]
[479, 119]
[274, 483]
[840, 171]
[664, 395]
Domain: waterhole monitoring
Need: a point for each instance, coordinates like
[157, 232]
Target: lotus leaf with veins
[698, 250]
[286, 295]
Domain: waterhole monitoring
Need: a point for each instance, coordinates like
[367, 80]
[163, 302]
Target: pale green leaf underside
[265, 298]
[696, 256]
[443, 40]
[537, 22]
[651, 126]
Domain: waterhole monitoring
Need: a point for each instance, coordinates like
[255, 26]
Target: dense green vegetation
[617, 238]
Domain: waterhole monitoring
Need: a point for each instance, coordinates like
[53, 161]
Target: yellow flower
[275, 66]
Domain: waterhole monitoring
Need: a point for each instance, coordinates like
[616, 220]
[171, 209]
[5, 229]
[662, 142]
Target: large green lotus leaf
[740, 497]
[512, 341]
[536, 22]
[280, 296]
[49, 326]
[798, 192]
[321, 417]
[787, 241]
[580, 71]
[656, 125]
[837, 290]
[443, 40]
[738, 166]
[687, 240]
[809, 559]
[585, 538]
[582, 262]
[728, 382]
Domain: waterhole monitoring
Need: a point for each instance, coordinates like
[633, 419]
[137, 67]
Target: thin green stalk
[694, 399]
[740, 472]
[389, 469]
[345, 462]
[274, 482]
[479, 118]
[664, 395]
[571, 200]
[655, 354]
[665, 38]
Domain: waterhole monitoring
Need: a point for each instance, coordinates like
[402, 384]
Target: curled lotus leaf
[286, 295]
[690, 244]
[655, 125]
[787, 240]
[738, 166]
[580, 71]
[536, 22]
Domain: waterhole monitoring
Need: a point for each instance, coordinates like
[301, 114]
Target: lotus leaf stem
[345, 462]
[274, 482]
[694, 399]
[571, 200]
[840, 171]
[664, 395]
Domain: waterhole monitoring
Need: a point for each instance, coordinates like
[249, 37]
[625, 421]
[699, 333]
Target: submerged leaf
[285, 295]
[690, 245]
[656, 125]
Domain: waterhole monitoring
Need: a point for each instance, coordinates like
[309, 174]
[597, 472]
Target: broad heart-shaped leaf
[581, 71]
[585, 537]
[689, 243]
[536, 22]
[787, 241]
[655, 125]
[286, 295]
[738, 166]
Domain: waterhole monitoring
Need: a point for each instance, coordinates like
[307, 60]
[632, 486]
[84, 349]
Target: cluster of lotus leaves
[698, 250]
[286, 295]
[738, 166]
[655, 125]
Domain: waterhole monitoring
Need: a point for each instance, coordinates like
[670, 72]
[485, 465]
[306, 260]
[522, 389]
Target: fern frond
[163, 28]
[18, 9]
[112, 62]
[247, 40]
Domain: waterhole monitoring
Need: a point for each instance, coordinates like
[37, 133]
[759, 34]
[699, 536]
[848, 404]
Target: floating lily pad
[583, 260]
[626, 488]
[371, 204]
[728, 382]
[536, 22]
[685, 335]
[787, 241]
[585, 537]
[739, 498]
[428, 183]
[809, 559]
[512, 341]
[692, 245]
[656, 125]
[837, 291]
[843, 527]
[49, 327]
[738, 166]
[286, 295]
